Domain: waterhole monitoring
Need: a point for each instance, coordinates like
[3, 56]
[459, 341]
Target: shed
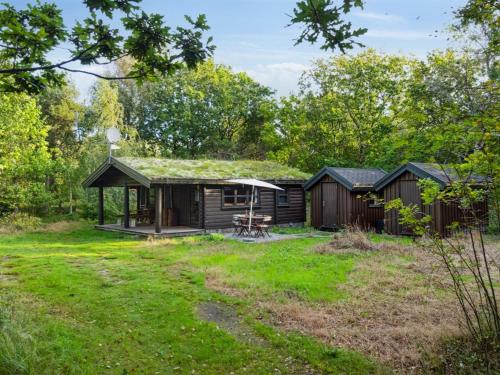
[340, 197]
[194, 194]
[402, 183]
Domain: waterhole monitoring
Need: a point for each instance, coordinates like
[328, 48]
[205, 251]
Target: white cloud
[379, 16]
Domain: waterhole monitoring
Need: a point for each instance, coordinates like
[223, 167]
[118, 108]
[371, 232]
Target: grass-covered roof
[156, 168]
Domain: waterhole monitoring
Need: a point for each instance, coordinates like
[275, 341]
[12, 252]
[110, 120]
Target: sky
[252, 36]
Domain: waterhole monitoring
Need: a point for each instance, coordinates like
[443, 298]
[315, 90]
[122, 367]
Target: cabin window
[239, 196]
[282, 197]
[375, 203]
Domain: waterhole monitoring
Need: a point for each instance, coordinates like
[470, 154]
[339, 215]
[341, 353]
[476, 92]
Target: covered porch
[149, 208]
[164, 209]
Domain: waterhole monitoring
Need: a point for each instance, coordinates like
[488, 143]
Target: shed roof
[351, 178]
[157, 170]
[441, 174]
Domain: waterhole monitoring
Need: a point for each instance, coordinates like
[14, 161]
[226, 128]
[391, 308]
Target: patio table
[258, 228]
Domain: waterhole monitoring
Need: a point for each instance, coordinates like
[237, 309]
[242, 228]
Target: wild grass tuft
[17, 351]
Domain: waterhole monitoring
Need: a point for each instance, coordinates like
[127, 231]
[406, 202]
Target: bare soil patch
[226, 317]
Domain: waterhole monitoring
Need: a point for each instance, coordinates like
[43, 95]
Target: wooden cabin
[402, 183]
[340, 198]
[177, 196]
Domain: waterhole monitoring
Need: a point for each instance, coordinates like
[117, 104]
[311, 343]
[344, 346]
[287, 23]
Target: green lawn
[89, 302]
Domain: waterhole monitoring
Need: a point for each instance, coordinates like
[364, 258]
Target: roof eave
[409, 167]
[112, 162]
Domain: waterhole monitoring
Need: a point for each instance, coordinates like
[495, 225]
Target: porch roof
[147, 171]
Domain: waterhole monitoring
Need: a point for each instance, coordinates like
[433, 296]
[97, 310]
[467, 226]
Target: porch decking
[149, 230]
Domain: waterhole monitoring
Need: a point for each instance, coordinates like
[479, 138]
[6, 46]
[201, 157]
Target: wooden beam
[100, 207]
[158, 208]
[138, 198]
[126, 207]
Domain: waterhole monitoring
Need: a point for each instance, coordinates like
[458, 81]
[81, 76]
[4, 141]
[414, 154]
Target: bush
[216, 237]
[20, 221]
[458, 356]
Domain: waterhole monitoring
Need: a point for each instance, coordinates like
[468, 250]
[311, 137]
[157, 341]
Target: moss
[212, 169]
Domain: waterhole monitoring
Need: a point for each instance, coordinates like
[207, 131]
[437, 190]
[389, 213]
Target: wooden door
[330, 206]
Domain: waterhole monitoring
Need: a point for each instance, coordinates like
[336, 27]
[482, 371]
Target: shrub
[20, 221]
[216, 237]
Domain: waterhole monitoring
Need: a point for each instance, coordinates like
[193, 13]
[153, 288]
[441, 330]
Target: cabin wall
[443, 214]
[363, 215]
[351, 210]
[316, 206]
[217, 217]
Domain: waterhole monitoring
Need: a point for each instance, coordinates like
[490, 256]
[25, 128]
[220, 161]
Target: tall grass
[17, 350]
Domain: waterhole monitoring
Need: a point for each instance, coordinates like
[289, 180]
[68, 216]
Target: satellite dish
[113, 135]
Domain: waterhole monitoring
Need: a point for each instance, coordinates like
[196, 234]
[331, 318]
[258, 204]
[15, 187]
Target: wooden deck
[149, 230]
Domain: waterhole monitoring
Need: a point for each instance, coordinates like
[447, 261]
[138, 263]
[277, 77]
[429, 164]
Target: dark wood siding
[363, 215]
[350, 209]
[316, 203]
[296, 209]
[216, 217]
[443, 214]
[114, 177]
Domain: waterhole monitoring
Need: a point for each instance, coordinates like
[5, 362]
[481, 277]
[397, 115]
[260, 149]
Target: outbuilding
[189, 196]
[341, 197]
[402, 183]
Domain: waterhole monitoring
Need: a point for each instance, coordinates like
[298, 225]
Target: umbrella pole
[251, 209]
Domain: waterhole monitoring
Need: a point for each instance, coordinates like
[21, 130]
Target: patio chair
[262, 227]
[239, 226]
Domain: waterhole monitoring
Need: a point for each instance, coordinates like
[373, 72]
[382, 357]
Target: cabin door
[329, 193]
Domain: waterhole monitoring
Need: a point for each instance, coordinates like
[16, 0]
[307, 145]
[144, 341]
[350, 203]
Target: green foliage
[20, 221]
[348, 107]
[210, 111]
[29, 35]
[216, 237]
[24, 156]
[322, 19]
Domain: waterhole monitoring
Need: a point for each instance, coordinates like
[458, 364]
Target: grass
[77, 301]
[213, 169]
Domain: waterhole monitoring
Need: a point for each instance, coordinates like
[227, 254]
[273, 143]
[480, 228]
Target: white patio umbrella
[253, 182]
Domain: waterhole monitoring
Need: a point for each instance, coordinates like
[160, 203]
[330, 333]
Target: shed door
[329, 192]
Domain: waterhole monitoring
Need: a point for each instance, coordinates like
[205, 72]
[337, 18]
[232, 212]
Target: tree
[61, 111]
[28, 36]
[209, 111]
[347, 107]
[323, 19]
[24, 156]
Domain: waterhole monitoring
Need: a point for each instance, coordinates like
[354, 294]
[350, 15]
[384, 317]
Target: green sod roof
[155, 168]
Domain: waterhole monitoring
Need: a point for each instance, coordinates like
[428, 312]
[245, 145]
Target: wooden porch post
[138, 195]
[100, 208]
[126, 208]
[158, 208]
